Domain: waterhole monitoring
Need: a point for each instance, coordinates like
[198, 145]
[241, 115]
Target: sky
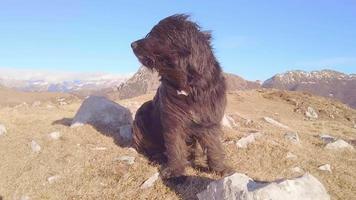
[254, 39]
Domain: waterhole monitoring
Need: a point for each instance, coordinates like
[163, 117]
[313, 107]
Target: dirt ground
[83, 159]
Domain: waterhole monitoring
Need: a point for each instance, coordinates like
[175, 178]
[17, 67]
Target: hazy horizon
[253, 40]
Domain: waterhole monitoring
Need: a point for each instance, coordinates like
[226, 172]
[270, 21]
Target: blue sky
[254, 39]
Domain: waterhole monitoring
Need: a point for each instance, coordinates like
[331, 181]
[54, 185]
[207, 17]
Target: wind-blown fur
[190, 102]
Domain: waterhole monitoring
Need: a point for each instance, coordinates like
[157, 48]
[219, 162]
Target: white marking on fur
[182, 92]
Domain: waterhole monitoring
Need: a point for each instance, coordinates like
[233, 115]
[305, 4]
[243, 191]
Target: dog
[186, 112]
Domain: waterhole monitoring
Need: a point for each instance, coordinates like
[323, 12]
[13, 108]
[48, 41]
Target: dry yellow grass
[89, 172]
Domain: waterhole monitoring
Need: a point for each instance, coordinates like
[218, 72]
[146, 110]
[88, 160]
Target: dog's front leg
[176, 153]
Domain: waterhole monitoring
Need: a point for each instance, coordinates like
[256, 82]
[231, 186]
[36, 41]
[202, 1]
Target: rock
[53, 179]
[35, 147]
[130, 160]
[36, 104]
[291, 156]
[106, 116]
[126, 133]
[55, 135]
[297, 170]
[3, 130]
[339, 145]
[76, 124]
[311, 114]
[150, 181]
[275, 123]
[245, 141]
[293, 137]
[325, 167]
[24, 197]
[327, 138]
[228, 122]
[241, 187]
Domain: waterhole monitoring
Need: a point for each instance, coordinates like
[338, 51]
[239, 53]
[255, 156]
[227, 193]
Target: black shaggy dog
[190, 102]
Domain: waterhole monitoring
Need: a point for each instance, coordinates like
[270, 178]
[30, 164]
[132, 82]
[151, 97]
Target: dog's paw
[169, 172]
[227, 172]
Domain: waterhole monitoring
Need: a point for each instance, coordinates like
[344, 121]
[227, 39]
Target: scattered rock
[325, 167]
[311, 114]
[130, 160]
[242, 187]
[25, 197]
[53, 179]
[76, 124]
[55, 135]
[292, 136]
[327, 138]
[132, 150]
[3, 130]
[99, 148]
[291, 156]
[36, 104]
[228, 122]
[107, 116]
[339, 145]
[150, 181]
[35, 147]
[245, 141]
[297, 170]
[275, 123]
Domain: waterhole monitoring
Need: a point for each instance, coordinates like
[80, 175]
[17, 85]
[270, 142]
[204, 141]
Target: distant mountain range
[327, 83]
[32, 81]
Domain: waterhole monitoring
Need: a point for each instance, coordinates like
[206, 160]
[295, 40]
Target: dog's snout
[134, 45]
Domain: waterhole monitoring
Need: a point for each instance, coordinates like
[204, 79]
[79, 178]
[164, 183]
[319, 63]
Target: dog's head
[177, 49]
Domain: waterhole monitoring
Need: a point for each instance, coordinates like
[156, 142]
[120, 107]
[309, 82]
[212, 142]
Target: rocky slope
[325, 83]
[145, 81]
[268, 135]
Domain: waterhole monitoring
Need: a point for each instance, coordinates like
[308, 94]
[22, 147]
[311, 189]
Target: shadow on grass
[106, 130]
[188, 187]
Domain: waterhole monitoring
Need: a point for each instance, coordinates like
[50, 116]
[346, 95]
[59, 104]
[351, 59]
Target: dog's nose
[134, 45]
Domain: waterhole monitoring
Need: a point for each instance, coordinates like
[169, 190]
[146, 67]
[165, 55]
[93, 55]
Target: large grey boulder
[241, 187]
[107, 117]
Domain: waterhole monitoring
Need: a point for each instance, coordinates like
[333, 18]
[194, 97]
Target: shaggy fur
[190, 102]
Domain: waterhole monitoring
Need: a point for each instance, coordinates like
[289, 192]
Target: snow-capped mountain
[326, 83]
[51, 81]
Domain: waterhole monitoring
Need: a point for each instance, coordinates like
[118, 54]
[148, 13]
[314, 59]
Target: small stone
[297, 170]
[292, 136]
[339, 145]
[36, 104]
[3, 130]
[133, 150]
[76, 124]
[55, 135]
[25, 197]
[150, 181]
[327, 138]
[53, 179]
[35, 147]
[245, 141]
[291, 156]
[275, 123]
[325, 167]
[311, 114]
[228, 122]
[99, 148]
[130, 160]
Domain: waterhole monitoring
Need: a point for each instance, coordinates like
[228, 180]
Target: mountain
[38, 81]
[327, 83]
[145, 81]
